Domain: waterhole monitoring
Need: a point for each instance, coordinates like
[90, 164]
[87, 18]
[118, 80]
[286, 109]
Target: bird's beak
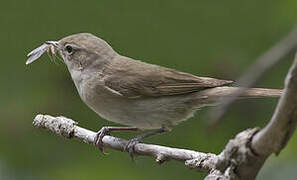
[54, 43]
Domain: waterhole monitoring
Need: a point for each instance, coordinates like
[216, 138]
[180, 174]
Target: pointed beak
[54, 43]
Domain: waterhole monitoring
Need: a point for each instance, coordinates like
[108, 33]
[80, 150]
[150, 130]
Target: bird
[134, 93]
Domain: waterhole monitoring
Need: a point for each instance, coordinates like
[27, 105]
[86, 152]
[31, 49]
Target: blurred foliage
[210, 38]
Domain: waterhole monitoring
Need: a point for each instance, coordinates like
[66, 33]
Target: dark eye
[69, 49]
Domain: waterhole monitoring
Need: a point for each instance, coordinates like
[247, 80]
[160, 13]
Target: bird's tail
[216, 94]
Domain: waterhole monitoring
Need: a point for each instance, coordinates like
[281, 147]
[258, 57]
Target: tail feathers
[261, 92]
[217, 93]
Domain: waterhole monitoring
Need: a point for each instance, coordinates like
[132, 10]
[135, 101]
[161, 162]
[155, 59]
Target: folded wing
[132, 79]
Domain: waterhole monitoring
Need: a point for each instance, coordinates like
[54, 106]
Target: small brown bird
[134, 93]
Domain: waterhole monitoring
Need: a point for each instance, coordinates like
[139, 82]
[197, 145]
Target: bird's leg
[132, 142]
[106, 131]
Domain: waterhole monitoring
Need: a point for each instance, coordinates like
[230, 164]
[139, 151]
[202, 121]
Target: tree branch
[247, 153]
[68, 128]
[274, 137]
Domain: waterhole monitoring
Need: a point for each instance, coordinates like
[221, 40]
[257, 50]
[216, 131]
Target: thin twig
[265, 62]
[68, 128]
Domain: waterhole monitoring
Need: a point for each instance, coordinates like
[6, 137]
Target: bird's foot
[130, 146]
[99, 136]
[106, 131]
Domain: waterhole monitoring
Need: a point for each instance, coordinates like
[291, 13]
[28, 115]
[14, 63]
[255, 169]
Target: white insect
[49, 46]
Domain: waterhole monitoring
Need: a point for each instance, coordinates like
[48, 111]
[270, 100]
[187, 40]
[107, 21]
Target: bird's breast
[144, 113]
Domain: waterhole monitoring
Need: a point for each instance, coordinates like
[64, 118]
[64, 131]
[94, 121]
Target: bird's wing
[132, 79]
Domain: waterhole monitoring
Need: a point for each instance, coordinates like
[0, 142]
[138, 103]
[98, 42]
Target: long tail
[213, 95]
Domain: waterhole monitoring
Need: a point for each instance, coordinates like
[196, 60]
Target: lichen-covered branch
[68, 128]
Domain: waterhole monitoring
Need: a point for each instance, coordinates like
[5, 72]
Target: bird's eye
[69, 49]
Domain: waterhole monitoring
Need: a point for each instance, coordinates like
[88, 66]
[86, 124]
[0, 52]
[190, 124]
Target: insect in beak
[49, 46]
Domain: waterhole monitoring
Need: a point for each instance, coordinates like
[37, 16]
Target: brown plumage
[133, 78]
[135, 93]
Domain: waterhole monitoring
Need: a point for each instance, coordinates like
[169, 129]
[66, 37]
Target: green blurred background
[210, 38]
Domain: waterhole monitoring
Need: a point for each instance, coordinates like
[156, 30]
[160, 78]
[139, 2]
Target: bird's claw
[130, 147]
[98, 138]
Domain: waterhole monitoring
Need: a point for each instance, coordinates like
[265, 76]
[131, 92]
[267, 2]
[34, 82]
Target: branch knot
[237, 151]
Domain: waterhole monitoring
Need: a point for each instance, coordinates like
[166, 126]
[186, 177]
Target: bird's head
[80, 51]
